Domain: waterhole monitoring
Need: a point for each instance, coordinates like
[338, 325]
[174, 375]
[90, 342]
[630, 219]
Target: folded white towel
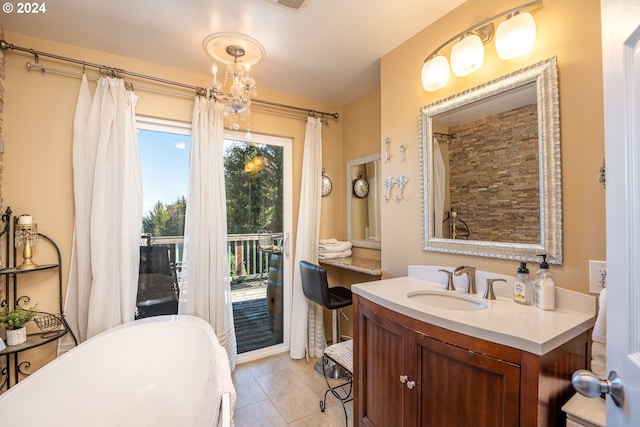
[330, 241]
[333, 255]
[599, 359]
[600, 328]
[339, 247]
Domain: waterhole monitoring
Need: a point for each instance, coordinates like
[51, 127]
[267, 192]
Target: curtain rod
[4, 45]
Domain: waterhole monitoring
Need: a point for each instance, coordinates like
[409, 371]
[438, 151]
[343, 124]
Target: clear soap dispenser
[522, 286]
[545, 287]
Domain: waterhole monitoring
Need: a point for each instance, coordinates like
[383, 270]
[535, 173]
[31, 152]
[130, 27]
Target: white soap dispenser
[545, 287]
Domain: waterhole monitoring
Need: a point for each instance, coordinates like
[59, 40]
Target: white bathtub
[157, 371]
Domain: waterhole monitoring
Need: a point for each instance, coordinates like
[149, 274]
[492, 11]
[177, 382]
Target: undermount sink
[447, 300]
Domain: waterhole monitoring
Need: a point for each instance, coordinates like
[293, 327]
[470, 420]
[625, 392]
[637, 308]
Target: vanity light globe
[467, 55]
[515, 36]
[435, 73]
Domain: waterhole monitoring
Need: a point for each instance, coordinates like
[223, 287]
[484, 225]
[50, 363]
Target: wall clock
[360, 187]
[326, 184]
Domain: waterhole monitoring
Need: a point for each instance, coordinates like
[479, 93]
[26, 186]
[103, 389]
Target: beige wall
[569, 29]
[38, 125]
[361, 137]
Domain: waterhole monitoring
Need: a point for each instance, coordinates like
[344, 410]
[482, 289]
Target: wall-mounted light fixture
[514, 36]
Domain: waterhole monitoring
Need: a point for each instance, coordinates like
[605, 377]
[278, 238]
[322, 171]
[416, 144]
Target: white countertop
[505, 322]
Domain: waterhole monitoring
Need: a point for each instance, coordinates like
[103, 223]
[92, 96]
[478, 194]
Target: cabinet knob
[411, 385]
[403, 378]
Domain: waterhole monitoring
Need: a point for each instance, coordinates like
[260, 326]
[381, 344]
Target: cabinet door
[381, 357]
[461, 388]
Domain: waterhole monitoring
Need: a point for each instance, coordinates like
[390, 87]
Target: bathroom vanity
[423, 360]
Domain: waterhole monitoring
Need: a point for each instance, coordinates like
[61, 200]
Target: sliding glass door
[258, 188]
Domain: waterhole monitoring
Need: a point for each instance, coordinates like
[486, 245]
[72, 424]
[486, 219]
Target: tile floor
[279, 391]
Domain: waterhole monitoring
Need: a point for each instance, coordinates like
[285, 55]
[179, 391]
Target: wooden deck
[251, 316]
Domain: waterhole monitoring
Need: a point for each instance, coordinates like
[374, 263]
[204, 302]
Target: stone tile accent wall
[495, 181]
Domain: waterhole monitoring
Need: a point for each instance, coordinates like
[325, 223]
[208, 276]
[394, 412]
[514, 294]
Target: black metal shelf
[35, 340]
[16, 270]
[12, 298]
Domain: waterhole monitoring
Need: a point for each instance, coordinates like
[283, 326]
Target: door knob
[403, 378]
[411, 385]
[589, 384]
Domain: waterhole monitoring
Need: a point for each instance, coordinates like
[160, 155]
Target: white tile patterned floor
[279, 391]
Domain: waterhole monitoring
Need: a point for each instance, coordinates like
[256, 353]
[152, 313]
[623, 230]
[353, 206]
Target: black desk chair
[316, 288]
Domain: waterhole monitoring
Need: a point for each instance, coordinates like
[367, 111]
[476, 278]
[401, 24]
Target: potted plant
[14, 321]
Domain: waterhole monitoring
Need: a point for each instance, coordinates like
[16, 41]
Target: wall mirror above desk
[491, 168]
[363, 201]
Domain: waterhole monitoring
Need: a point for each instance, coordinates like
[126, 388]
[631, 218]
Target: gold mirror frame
[545, 76]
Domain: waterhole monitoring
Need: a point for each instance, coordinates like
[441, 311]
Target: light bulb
[467, 55]
[435, 73]
[515, 36]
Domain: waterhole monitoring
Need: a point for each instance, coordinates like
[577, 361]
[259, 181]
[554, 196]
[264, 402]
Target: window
[164, 158]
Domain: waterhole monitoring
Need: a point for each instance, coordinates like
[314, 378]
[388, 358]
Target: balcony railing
[248, 254]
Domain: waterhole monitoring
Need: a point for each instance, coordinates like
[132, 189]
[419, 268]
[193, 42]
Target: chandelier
[238, 53]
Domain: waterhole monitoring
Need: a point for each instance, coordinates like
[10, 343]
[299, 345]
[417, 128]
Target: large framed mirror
[491, 168]
[363, 201]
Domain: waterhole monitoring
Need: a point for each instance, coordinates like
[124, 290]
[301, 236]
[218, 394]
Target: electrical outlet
[597, 276]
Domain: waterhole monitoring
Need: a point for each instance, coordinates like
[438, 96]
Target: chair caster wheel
[322, 408]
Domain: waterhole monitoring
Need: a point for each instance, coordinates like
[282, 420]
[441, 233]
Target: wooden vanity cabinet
[409, 373]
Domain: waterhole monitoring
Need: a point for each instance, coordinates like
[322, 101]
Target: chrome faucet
[471, 277]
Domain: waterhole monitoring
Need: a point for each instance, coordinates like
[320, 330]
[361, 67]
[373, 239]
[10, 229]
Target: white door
[621, 68]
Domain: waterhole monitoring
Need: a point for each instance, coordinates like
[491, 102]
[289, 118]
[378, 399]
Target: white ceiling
[328, 51]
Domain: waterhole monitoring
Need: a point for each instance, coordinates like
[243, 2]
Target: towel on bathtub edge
[218, 383]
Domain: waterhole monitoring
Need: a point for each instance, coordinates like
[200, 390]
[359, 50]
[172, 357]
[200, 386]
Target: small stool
[340, 354]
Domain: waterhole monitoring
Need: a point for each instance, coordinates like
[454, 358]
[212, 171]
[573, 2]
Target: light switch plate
[597, 276]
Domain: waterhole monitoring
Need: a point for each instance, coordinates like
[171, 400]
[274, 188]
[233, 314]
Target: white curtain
[105, 255]
[205, 289]
[307, 321]
[438, 188]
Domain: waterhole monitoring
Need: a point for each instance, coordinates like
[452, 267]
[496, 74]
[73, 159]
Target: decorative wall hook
[403, 148]
[389, 183]
[401, 182]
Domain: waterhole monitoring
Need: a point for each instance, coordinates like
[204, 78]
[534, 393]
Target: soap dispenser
[545, 287]
[522, 286]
